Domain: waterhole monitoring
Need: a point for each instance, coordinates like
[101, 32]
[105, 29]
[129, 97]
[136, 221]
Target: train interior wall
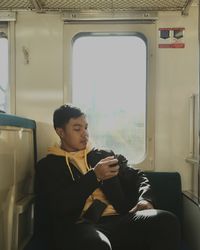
[39, 88]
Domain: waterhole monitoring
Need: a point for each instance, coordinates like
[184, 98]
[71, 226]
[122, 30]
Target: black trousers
[145, 230]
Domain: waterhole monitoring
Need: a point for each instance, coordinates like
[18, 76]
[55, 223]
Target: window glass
[3, 72]
[109, 83]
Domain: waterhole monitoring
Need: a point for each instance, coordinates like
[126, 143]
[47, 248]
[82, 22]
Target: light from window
[3, 74]
[109, 84]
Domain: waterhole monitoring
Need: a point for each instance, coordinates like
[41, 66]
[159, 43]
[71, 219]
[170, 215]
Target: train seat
[168, 195]
[17, 160]
[167, 189]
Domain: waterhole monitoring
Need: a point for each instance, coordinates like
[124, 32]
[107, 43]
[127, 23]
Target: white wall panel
[177, 80]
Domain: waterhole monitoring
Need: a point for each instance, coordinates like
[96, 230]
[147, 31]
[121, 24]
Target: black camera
[120, 160]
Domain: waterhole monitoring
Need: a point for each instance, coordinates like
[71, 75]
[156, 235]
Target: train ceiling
[97, 5]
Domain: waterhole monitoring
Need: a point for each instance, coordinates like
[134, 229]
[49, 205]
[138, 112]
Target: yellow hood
[56, 150]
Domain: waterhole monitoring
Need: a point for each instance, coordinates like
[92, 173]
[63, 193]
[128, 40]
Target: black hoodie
[60, 199]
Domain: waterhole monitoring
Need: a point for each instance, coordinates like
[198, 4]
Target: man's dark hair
[64, 113]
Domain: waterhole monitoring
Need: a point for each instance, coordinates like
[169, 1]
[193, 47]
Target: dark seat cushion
[167, 190]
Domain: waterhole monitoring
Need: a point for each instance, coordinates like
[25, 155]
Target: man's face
[75, 135]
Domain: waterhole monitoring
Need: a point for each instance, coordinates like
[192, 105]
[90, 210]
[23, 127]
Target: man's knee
[96, 244]
[100, 242]
[166, 226]
[158, 220]
[167, 229]
[167, 219]
[101, 245]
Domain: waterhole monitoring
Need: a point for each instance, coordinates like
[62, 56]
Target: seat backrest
[17, 160]
[166, 187]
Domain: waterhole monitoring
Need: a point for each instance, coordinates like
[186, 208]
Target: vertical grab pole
[192, 127]
[198, 155]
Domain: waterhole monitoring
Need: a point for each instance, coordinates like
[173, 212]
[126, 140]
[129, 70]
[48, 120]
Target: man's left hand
[141, 205]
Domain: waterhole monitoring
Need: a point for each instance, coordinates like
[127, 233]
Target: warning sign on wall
[171, 38]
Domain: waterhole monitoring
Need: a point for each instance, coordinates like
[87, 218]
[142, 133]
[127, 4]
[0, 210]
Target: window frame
[4, 29]
[147, 30]
[120, 34]
[9, 28]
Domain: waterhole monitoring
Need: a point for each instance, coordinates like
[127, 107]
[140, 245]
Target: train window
[3, 72]
[109, 82]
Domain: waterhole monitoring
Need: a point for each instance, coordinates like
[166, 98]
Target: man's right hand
[104, 169]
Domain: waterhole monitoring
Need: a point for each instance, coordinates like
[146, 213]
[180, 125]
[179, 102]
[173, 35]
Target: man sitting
[88, 198]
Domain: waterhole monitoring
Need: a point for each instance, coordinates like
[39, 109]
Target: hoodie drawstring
[69, 167]
[70, 170]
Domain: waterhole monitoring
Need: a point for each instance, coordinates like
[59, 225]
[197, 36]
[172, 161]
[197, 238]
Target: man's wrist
[98, 179]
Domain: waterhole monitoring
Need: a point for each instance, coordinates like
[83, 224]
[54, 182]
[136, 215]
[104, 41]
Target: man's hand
[141, 205]
[104, 169]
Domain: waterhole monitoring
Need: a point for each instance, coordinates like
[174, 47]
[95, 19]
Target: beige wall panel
[39, 72]
[177, 80]
[39, 84]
